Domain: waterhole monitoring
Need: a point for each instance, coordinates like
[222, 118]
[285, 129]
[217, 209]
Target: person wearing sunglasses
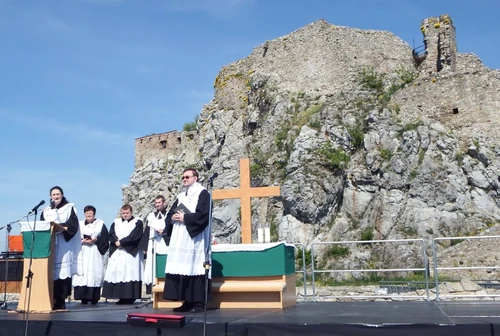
[187, 226]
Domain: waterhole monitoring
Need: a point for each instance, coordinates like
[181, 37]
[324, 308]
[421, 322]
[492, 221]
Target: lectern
[38, 272]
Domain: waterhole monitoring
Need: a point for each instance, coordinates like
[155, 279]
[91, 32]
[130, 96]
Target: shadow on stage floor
[321, 318]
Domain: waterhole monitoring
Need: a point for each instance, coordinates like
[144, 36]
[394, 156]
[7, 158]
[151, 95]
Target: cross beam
[245, 193]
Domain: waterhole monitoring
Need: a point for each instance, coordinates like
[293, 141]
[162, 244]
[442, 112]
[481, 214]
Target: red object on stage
[156, 320]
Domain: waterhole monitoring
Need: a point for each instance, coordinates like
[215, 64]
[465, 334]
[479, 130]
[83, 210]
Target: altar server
[154, 240]
[95, 244]
[123, 277]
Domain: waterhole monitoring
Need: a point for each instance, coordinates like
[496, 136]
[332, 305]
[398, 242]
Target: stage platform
[479, 318]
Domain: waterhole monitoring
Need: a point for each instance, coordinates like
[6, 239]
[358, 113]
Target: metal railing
[304, 272]
[419, 52]
[437, 268]
[424, 269]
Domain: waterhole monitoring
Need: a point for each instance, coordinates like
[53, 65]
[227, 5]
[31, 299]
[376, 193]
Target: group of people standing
[182, 233]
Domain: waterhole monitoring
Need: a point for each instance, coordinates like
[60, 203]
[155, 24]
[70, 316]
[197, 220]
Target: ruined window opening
[163, 144]
[419, 54]
[455, 110]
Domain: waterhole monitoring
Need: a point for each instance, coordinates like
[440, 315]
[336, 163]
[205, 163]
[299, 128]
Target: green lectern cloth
[38, 235]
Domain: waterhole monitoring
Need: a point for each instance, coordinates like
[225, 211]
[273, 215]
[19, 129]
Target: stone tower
[440, 44]
[160, 146]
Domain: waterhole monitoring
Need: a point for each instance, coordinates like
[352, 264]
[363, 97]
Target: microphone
[210, 181]
[42, 202]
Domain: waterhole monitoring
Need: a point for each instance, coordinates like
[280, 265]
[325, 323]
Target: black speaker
[15, 266]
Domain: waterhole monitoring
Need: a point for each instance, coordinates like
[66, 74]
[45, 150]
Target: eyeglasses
[186, 177]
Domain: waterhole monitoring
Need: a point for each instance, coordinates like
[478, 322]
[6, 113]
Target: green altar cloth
[245, 260]
[38, 233]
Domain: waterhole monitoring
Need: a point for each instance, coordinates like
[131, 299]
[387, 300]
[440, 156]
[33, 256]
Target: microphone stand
[153, 269]
[208, 253]
[7, 239]
[29, 276]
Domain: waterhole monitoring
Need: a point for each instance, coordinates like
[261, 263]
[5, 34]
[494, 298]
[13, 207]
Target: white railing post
[313, 280]
[304, 271]
[436, 275]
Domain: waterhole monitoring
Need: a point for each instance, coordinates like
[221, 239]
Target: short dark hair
[194, 171]
[160, 197]
[89, 208]
[126, 207]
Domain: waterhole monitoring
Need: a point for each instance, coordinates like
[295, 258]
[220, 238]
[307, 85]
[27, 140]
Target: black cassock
[188, 288]
[92, 293]
[62, 287]
[114, 288]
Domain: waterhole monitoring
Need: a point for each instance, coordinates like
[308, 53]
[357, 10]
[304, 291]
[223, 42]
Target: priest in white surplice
[154, 240]
[188, 229]
[67, 257]
[95, 243]
[123, 278]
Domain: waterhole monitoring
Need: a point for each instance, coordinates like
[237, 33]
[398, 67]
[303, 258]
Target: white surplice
[93, 272]
[155, 243]
[186, 255]
[122, 266]
[67, 254]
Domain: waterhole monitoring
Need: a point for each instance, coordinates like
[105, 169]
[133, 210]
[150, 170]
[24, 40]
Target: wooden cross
[244, 194]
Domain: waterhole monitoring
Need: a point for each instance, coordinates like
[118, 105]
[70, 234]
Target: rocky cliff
[367, 138]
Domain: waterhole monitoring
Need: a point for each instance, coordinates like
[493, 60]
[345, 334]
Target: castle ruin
[161, 145]
[440, 45]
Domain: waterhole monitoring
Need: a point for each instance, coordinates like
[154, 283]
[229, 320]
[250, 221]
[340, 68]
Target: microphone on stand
[42, 202]
[210, 181]
[213, 177]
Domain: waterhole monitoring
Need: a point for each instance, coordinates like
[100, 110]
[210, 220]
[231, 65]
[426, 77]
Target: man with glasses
[187, 221]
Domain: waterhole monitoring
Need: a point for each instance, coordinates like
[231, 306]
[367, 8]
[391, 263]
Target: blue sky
[81, 79]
